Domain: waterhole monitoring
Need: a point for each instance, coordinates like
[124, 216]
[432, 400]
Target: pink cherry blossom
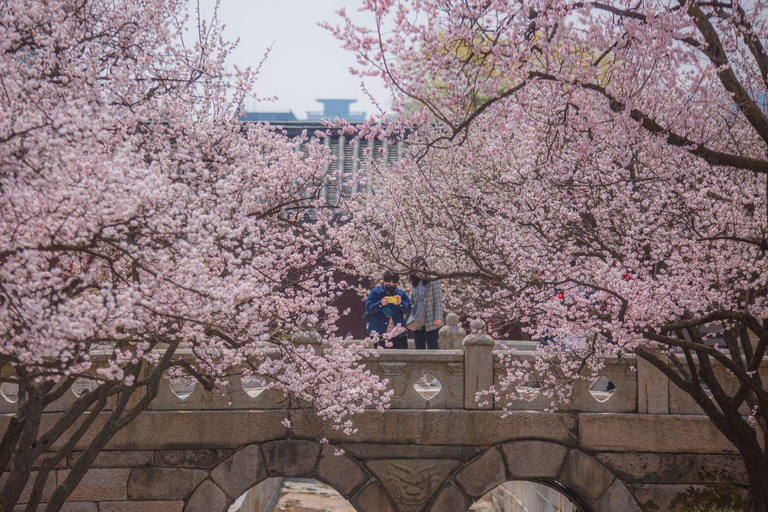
[146, 232]
[594, 170]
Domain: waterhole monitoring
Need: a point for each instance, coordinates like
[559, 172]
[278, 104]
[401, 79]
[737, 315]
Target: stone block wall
[413, 460]
[439, 452]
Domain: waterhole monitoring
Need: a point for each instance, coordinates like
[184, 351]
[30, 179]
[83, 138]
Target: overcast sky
[306, 61]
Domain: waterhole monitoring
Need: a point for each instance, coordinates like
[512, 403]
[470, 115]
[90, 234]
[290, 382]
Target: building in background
[332, 108]
[347, 174]
[270, 117]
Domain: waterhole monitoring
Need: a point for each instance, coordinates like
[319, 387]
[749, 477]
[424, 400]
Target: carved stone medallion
[412, 482]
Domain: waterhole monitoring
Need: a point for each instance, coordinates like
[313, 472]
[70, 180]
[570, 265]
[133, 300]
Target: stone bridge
[637, 445]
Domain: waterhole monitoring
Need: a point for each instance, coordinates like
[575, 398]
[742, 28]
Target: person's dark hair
[391, 276]
[418, 260]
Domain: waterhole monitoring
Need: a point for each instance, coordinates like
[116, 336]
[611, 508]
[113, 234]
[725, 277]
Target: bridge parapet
[433, 451]
[450, 379]
[613, 390]
[432, 379]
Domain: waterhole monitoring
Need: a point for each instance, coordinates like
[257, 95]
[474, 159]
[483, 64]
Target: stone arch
[254, 463]
[590, 484]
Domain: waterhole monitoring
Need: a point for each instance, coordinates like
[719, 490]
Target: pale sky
[306, 61]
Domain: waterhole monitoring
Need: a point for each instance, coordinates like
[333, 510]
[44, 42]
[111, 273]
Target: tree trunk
[757, 472]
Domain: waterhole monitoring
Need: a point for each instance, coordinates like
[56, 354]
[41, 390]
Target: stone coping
[666, 433]
[412, 355]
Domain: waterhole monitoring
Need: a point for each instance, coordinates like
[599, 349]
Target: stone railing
[443, 379]
[615, 389]
[427, 379]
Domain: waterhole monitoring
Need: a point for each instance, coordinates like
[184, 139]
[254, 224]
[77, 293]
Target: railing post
[652, 387]
[451, 334]
[478, 365]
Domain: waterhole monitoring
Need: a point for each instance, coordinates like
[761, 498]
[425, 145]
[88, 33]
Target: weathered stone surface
[67, 507]
[721, 469]
[533, 459]
[203, 459]
[652, 388]
[341, 472]
[682, 498]
[447, 427]
[241, 471]
[141, 506]
[208, 497]
[482, 474]
[411, 483]
[455, 436]
[291, 457]
[48, 489]
[449, 499]
[478, 367]
[163, 483]
[80, 507]
[62, 464]
[675, 468]
[368, 451]
[450, 394]
[585, 475]
[372, 498]
[681, 402]
[99, 484]
[623, 398]
[403, 372]
[118, 459]
[617, 497]
[192, 429]
[451, 334]
[232, 429]
[663, 433]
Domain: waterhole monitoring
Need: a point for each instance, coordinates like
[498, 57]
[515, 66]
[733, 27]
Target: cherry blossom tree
[596, 169]
[146, 232]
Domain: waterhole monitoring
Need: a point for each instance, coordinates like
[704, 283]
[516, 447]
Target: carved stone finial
[479, 335]
[478, 326]
[451, 334]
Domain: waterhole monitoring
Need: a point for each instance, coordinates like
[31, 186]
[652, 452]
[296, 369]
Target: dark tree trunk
[757, 472]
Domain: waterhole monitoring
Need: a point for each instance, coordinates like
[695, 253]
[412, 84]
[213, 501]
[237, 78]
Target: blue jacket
[380, 314]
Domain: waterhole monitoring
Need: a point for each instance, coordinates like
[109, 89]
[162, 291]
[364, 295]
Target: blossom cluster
[138, 214]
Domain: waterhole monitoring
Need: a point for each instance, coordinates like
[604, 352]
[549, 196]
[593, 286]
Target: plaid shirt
[432, 295]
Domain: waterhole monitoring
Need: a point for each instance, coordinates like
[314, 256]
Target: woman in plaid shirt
[431, 294]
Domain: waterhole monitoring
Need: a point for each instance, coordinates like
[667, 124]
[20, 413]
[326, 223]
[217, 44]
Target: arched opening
[287, 460]
[529, 496]
[291, 494]
[552, 474]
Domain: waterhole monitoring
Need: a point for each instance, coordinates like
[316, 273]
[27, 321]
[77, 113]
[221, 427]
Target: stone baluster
[652, 387]
[451, 334]
[478, 365]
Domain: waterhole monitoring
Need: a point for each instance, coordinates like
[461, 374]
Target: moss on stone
[710, 496]
[649, 506]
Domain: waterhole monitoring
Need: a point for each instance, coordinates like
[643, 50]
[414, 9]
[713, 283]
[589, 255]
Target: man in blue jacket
[387, 307]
